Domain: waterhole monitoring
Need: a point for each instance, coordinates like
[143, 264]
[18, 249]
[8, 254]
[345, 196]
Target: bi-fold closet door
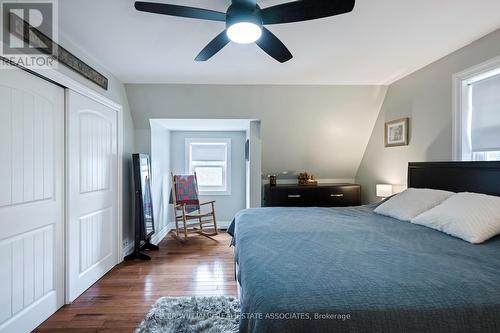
[59, 180]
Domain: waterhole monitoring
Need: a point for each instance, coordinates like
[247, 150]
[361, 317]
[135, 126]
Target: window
[477, 118]
[485, 119]
[486, 156]
[210, 159]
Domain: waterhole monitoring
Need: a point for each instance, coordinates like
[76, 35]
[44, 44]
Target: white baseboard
[128, 249]
[159, 235]
[171, 226]
[223, 224]
[155, 239]
[220, 225]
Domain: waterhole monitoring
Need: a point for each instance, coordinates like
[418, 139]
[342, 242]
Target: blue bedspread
[360, 272]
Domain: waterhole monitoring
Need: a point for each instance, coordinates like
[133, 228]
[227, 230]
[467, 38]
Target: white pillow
[412, 202]
[471, 216]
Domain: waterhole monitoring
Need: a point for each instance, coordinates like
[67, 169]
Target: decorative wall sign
[31, 35]
[396, 132]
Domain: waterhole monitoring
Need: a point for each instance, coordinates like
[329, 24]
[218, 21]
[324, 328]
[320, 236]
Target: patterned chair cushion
[186, 190]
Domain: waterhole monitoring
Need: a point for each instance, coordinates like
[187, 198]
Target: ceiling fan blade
[304, 10]
[182, 11]
[213, 47]
[273, 46]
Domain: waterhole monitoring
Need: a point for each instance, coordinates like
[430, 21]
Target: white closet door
[31, 200]
[92, 192]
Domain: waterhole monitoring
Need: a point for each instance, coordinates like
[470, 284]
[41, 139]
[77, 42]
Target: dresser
[322, 195]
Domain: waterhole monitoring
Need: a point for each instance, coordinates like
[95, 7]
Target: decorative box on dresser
[321, 195]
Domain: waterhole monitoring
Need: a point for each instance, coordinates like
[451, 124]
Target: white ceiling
[378, 43]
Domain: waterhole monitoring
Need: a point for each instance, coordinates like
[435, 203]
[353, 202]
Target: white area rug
[192, 315]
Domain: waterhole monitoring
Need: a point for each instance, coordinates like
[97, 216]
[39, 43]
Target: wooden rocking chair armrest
[179, 206]
[207, 203]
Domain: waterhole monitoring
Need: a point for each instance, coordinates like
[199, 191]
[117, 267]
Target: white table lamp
[384, 190]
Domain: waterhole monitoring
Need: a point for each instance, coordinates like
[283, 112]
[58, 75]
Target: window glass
[210, 160]
[485, 115]
[210, 175]
[481, 120]
[486, 156]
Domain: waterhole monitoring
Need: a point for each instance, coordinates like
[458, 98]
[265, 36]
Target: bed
[351, 270]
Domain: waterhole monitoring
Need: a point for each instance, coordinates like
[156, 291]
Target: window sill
[214, 193]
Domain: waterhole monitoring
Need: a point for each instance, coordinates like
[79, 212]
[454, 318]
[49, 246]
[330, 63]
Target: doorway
[169, 156]
[221, 172]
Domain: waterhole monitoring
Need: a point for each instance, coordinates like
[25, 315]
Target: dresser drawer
[340, 196]
[323, 195]
[289, 197]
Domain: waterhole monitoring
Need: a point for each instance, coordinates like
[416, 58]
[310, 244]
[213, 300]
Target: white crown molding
[80, 88]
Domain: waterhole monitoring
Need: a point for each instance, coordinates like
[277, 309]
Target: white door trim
[72, 84]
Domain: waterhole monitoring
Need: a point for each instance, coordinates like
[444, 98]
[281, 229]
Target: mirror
[142, 180]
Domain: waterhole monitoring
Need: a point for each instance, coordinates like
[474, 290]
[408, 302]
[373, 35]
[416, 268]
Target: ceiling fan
[245, 21]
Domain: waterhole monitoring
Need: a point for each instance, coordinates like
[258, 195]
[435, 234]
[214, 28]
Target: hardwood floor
[119, 301]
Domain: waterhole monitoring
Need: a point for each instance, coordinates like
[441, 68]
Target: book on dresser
[321, 195]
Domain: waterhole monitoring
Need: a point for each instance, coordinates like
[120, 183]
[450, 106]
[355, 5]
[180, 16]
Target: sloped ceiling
[379, 42]
[320, 116]
[321, 129]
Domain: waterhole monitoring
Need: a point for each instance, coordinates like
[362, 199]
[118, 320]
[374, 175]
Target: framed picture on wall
[396, 132]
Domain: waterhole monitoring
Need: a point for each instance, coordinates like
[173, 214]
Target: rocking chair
[187, 209]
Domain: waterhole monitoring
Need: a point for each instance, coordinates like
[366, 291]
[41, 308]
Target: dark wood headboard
[478, 177]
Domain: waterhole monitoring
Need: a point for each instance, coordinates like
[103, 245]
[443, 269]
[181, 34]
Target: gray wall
[321, 129]
[254, 166]
[160, 173]
[425, 97]
[227, 205]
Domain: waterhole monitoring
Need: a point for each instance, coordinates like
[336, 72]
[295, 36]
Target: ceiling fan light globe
[244, 32]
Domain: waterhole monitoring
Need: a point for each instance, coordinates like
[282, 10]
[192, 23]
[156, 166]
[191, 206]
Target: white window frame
[462, 105]
[226, 166]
